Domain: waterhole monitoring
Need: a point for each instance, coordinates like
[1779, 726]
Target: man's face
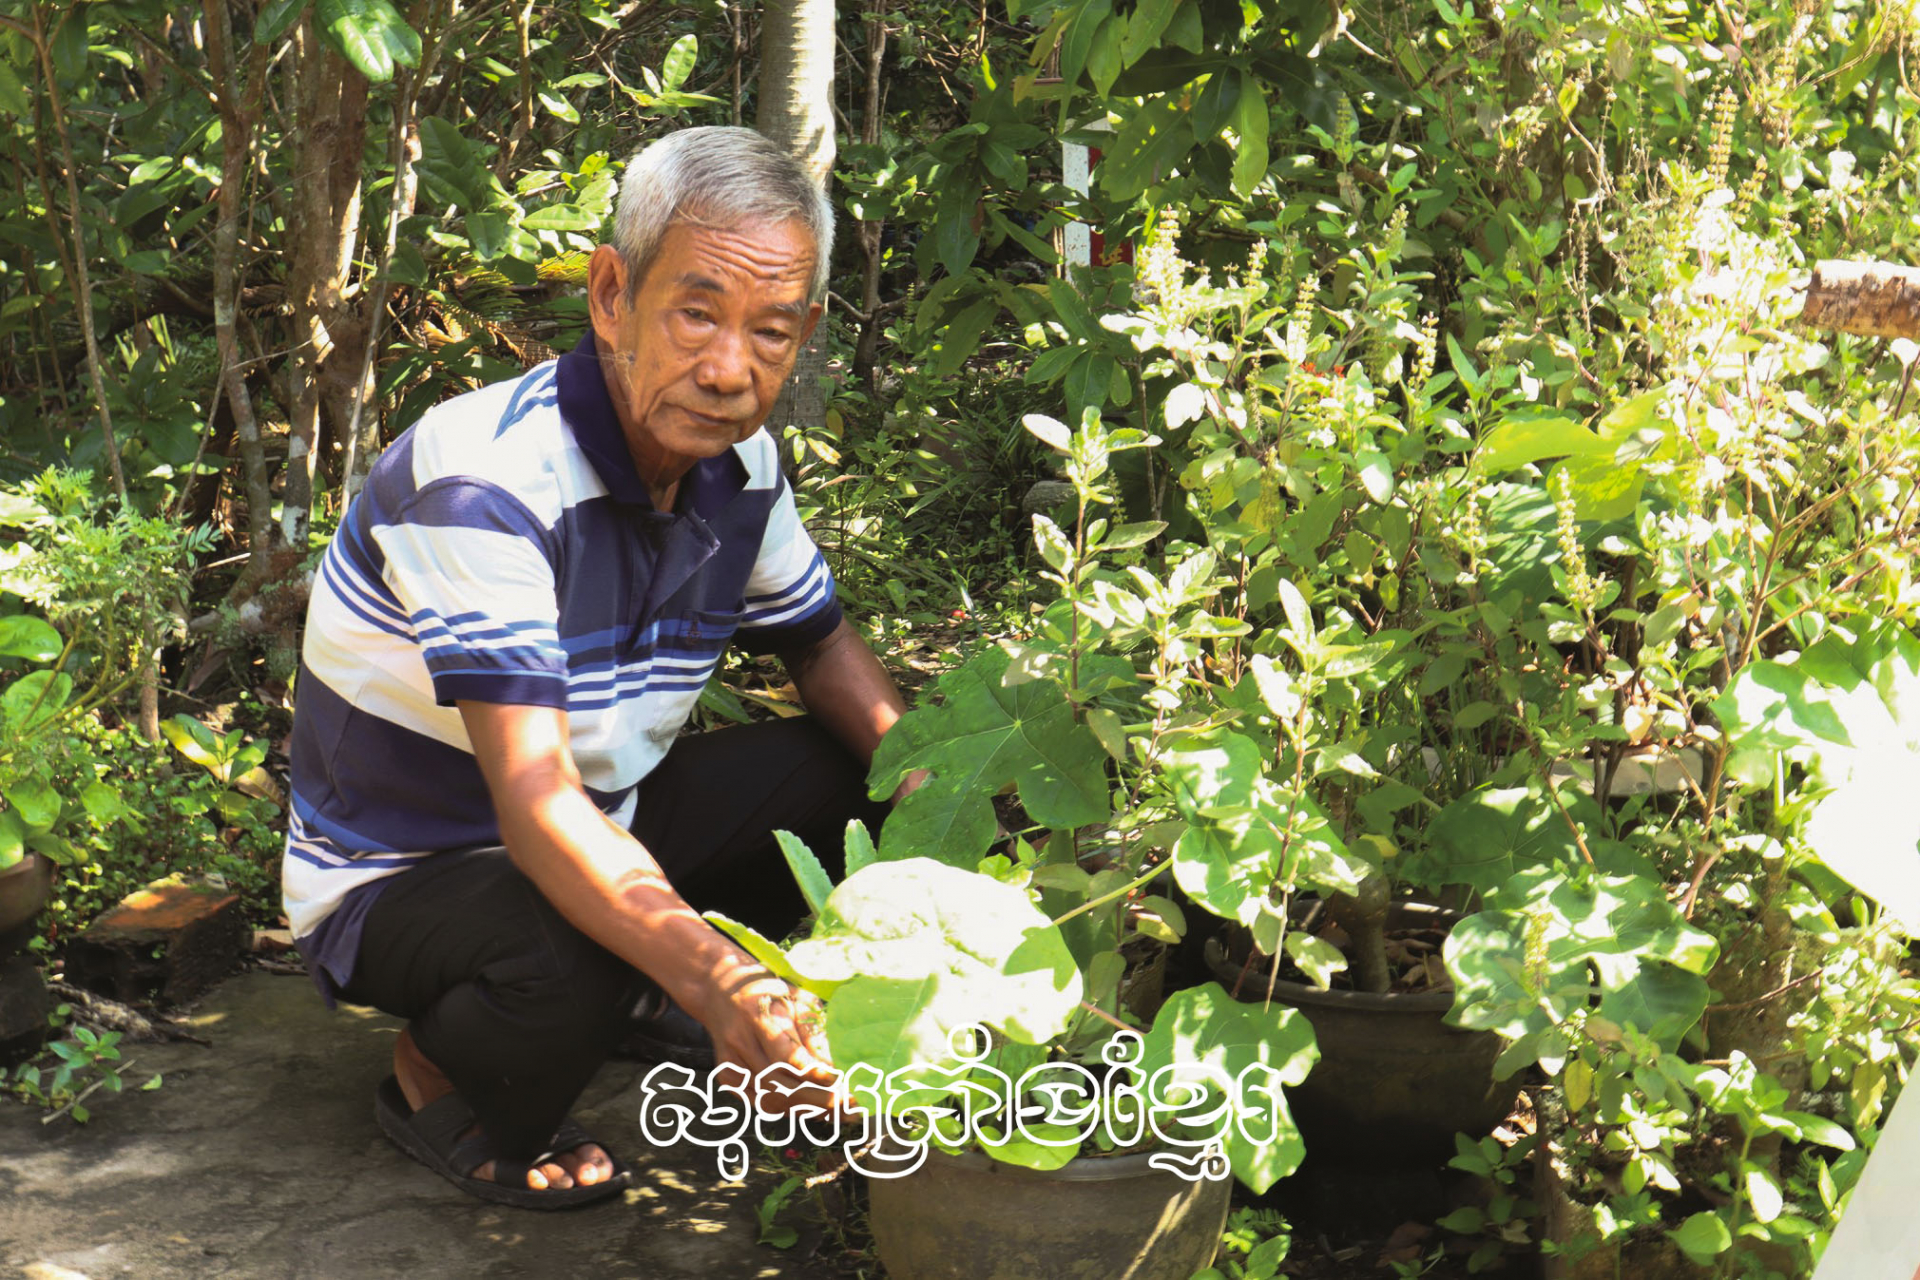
[696, 358]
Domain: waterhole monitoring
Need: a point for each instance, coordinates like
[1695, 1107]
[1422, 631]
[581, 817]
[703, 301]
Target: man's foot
[423, 1083]
[658, 1030]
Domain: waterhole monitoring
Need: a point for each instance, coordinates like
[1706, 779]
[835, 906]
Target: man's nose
[726, 366]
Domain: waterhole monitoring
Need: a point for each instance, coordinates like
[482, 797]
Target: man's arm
[846, 689]
[610, 888]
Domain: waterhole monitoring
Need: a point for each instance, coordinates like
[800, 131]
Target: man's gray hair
[716, 176]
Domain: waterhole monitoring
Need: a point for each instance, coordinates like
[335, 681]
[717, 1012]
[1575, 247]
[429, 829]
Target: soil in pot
[1394, 1082]
[968, 1217]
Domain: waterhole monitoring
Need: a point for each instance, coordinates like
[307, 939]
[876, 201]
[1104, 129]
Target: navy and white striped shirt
[505, 550]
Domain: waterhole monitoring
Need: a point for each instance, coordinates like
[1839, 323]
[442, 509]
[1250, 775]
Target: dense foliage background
[1443, 494]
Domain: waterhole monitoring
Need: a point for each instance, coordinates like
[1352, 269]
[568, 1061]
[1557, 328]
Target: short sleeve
[475, 571]
[790, 597]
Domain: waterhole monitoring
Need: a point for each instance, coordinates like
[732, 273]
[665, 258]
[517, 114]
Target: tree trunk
[1875, 299]
[361, 417]
[796, 111]
[872, 231]
[333, 108]
[239, 117]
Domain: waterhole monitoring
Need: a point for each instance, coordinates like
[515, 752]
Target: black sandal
[432, 1135]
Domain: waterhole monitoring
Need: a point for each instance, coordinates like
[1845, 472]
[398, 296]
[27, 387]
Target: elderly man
[496, 834]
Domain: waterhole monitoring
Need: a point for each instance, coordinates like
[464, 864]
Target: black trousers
[518, 1007]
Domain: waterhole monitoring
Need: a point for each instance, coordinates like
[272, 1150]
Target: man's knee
[563, 982]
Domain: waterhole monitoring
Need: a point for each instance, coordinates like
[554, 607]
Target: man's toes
[553, 1176]
[537, 1179]
[588, 1165]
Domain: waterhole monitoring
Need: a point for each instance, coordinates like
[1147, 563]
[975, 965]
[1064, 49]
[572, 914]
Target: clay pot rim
[28, 862]
[1411, 1003]
[1079, 1169]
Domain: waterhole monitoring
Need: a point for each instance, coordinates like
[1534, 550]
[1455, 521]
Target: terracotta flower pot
[25, 888]
[968, 1217]
[1395, 1082]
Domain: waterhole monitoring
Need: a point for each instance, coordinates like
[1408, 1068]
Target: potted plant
[26, 884]
[919, 941]
[1317, 923]
[35, 820]
[1005, 1136]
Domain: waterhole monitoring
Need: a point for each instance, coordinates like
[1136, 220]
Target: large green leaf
[194, 741]
[956, 234]
[987, 734]
[1144, 27]
[1482, 838]
[561, 217]
[370, 34]
[25, 636]
[1522, 439]
[449, 164]
[763, 949]
[1248, 833]
[1703, 1237]
[35, 699]
[1848, 709]
[1548, 941]
[37, 803]
[960, 338]
[909, 951]
[276, 18]
[13, 94]
[1603, 488]
[1148, 147]
[13, 840]
[678, 64]
[1250, 123]
[1204, 1025]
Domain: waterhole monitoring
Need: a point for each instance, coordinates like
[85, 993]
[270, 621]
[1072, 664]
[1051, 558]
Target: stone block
[273, 942]
[25, 1003]
[168, 941]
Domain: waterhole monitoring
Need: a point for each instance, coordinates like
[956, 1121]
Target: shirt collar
[589, 411]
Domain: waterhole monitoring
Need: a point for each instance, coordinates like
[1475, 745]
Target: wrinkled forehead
[766, 259]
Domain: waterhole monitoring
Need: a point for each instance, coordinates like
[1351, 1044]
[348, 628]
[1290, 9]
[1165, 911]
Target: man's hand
[758, 1020]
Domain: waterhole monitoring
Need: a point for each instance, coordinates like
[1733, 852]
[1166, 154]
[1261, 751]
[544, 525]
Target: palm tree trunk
[796, 111]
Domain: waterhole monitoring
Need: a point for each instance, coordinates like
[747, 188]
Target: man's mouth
[708, 420]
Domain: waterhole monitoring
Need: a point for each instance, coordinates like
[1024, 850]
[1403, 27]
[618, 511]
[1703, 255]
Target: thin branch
[95, 374]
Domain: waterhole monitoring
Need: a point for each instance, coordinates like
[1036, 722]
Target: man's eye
[776, 335]
[695, 314]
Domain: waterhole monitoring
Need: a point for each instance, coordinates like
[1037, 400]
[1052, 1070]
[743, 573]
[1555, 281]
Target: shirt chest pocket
[689, 649]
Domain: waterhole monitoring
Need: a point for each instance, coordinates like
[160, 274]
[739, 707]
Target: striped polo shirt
[505, 550]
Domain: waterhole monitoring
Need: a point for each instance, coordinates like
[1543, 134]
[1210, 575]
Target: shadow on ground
[260, 1157]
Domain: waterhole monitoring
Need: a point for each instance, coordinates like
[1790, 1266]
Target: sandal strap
[470, 1153]
[441, 1122]
[513, 1173]
[570, 1135]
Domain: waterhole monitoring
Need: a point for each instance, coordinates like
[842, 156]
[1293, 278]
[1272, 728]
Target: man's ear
[814, 311]
[607, 293]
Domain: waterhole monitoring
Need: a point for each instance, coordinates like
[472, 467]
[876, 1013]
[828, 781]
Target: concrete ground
[259, 1156]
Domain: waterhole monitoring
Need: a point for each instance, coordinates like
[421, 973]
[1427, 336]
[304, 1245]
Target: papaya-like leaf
[1549, 935]
[1244, 1043]
[913, 950]
[989, 733]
